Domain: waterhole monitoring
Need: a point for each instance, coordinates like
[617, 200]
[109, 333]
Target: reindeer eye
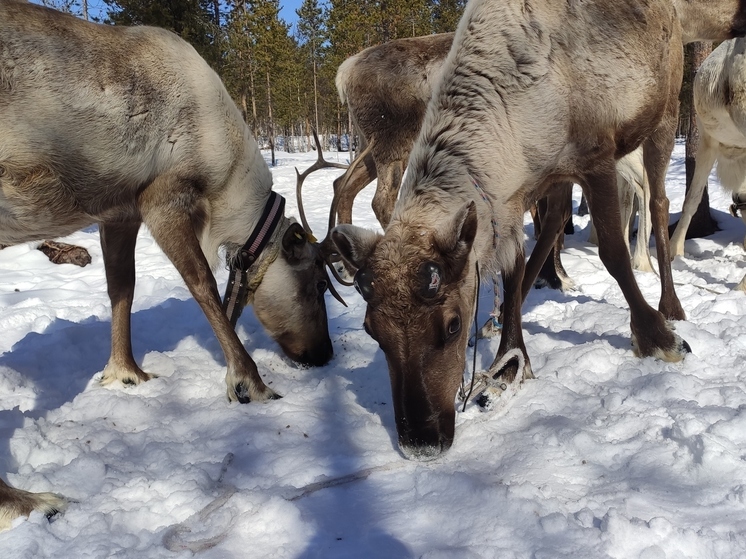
[364, 283]
[430, 276]
[321, 286]
[454, 326]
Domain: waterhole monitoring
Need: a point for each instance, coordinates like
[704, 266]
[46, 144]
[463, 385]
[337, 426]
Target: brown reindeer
[532, 94]
[124, 126]
[386, 88]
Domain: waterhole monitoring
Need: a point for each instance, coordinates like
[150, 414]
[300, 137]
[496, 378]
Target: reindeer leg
[641, 259]
[651, 336]
[511, 340]
[389, 181]
[656, 155]
[171, 209]
[703, 165]
[17, 502]
[544, 262]
[118, 245]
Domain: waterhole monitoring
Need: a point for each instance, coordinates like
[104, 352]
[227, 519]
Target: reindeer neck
[471, 144]
[444, 175]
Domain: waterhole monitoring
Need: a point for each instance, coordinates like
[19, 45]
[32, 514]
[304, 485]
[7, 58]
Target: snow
[602, 455]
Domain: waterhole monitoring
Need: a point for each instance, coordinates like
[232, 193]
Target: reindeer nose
[318, 356]
[428, 446]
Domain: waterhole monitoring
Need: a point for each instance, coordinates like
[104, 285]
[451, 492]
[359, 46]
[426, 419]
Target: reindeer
[720, 103]
[386, 88]
[532, 94]
[123, 126]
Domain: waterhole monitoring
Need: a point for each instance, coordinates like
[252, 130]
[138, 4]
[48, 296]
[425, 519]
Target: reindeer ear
[294, 242]
[456, 240]
[354, 244]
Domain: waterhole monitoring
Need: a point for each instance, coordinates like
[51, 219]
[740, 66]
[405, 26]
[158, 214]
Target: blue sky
[287, 10]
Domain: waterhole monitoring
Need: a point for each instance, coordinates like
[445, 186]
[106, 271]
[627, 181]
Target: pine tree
[446, 14]
[312, 33]
[262, 42]
[402, 18]
[192, 20]
[240, 70]
[350, 28]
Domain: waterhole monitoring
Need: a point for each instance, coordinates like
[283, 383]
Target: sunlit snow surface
[603, 455]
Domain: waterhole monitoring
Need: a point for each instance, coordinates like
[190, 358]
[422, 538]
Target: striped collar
[262, 233]
[239, 289]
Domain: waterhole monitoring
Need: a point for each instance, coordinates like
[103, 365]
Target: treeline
[281, 76]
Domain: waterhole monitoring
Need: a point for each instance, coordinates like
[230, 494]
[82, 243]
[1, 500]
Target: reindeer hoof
[50, 504]
[127, 376]
[243, 395]
[685, 346]
[17, 502]
[673, 354]
[498, 393]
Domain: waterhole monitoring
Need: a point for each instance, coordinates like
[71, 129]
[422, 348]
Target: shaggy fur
[387, 88]
[720, 102]
[533, 93]
[711, 20]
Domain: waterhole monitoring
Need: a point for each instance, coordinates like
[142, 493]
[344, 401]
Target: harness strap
[237, 289]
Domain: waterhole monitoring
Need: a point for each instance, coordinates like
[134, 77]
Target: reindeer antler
[346, 180]
[328, 251]
[320, 163]
[325, 245]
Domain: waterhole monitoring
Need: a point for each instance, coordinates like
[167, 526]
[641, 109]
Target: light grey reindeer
[123, 126]
[386, 88]
[532, 92]
[720, 103]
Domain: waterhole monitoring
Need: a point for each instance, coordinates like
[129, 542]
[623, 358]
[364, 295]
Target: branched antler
[320, 163]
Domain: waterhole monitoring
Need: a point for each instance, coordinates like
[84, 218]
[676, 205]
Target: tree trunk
[315, 94]
[270, 123]
[702, 223]
[349, 136]
[339, 127]
[252, 93]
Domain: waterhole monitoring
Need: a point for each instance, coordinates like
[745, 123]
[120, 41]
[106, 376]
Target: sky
[287, 10]
[97, 8]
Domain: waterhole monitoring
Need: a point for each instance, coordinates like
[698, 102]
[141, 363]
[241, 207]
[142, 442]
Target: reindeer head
[289, 301]
[419, 284]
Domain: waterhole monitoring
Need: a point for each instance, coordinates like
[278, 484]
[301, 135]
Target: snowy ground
[603, 455]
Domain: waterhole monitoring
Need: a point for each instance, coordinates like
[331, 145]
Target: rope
[257, 272]
[462, 395]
